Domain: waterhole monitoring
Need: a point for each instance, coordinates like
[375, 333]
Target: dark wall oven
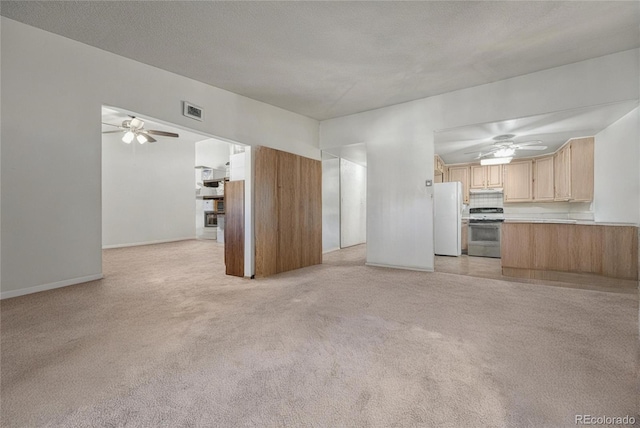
[210, 219]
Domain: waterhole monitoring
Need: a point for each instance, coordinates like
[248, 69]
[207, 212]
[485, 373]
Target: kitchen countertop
[565, 221]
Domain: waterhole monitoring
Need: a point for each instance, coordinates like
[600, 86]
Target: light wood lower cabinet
[518, 181]
[610, 251]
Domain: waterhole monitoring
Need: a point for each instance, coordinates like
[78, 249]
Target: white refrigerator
[447, 218]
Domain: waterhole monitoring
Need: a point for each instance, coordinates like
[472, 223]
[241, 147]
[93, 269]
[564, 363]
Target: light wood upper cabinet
[518, 181]
[486, 177]
[438, 165]
[439, 169]
[562, 174]
[582, 159]
[573, 171]
[494, 176]
[543, 189]
[461, 173]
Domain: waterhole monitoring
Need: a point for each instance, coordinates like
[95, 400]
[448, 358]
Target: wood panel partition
[607, 250]
[288, 211]
[234, 227]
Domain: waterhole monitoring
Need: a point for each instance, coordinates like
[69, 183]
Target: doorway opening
[344, 197]
[163, 189]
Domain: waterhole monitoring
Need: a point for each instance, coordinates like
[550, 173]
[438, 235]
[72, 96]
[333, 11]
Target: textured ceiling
[329, 59]
[462, 144]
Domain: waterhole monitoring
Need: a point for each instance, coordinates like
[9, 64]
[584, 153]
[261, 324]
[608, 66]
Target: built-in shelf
[213, 183]
[210, 197]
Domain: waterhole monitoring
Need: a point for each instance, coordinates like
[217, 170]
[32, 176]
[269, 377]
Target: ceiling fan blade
[161, 133]
[487, 150]
[146, 135]
[532, 148]
[529, 143]
[112, 132]
[111, 124]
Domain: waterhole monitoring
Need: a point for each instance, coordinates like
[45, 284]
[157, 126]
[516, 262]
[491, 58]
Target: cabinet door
[543, 179]
[582, 169]
[478, 177]
[562, 174]
[464, 236]
[493, 175]
[461, 174]
[518, 183]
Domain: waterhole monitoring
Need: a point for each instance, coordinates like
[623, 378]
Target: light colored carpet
[166, 339]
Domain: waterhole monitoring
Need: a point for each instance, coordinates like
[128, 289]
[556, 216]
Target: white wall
[353, 204]
[52, 92]
[400, 139]
[617, 171]
[147, 191]
[215, 154]
[330, 204]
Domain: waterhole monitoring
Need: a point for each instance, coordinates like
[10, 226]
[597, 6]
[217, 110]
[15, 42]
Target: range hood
[485, 191]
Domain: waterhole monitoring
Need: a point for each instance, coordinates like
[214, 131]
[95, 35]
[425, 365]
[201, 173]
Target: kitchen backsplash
[550, 210]
[484, 200]
[531, 210]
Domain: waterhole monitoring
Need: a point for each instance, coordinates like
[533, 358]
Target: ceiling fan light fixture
[495, 161]
[141, 138]
[504, 152]
[128, 137]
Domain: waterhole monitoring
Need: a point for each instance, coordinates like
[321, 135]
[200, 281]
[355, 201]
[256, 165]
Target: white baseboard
[330, 250]
[136, 244]
[50, 286]
[401, 267]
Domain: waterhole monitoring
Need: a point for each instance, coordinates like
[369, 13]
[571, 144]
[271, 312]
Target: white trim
[400, 267]
[135, 244]
[330, 250]
[50, 286]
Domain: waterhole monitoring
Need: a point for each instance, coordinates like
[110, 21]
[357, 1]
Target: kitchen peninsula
[550, 249]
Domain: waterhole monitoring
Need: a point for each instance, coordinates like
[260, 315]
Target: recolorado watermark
[604, 420]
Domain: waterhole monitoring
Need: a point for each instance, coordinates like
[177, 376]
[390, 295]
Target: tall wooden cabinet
[288, 211]
[461, 174]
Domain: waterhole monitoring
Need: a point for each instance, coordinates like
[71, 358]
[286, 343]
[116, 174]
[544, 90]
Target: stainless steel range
[485, 226]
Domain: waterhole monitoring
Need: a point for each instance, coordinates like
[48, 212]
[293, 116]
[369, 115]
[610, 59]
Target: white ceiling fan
[134, 129]
[504, 147]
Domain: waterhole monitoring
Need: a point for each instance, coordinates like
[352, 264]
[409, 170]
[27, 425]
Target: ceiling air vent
[192, 111]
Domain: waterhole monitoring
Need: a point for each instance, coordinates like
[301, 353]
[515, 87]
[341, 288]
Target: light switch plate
[429, 183]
